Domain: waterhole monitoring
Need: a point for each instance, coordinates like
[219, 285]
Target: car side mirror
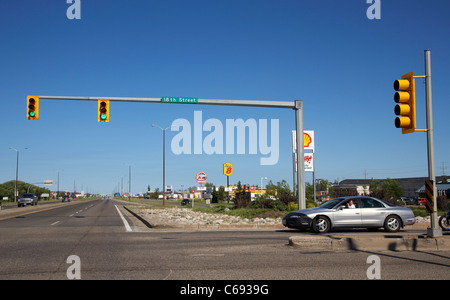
[341, 207]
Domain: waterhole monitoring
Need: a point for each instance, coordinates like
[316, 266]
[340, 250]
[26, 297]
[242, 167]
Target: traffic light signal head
[32, 108]
[406, 109]
[103, 110]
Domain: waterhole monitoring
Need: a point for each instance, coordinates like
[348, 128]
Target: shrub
[292, 206]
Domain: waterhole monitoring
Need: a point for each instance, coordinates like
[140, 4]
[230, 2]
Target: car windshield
[332, 203]
[27, 195]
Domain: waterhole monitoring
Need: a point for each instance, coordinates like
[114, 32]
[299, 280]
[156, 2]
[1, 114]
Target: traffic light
[103, 110]
[406, 109]
[32, 108]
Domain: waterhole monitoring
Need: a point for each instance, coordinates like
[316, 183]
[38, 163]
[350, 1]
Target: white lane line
[127, 226]
[54, 223]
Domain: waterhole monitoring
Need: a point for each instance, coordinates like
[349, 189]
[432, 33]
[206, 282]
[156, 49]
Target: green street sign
[179, 100]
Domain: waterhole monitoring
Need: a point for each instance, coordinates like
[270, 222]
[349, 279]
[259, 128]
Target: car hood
[312, 211]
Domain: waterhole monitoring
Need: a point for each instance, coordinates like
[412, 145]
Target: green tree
[7, 189]
[390, 190]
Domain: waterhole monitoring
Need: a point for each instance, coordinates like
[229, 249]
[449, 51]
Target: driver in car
[350, 204]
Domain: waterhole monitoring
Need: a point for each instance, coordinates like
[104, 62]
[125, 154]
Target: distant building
[442, 189]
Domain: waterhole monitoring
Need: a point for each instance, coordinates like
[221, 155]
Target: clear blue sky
[327, 53]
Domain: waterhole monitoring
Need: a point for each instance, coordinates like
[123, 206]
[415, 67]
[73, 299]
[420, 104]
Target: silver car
[27, 199]
[351, 212]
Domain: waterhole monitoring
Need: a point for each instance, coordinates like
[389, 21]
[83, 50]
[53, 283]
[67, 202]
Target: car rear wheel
[321, 224]
[392, 224]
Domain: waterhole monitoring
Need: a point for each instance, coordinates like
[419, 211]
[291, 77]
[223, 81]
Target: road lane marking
[127, 226]
[54, 223]
[207, 254]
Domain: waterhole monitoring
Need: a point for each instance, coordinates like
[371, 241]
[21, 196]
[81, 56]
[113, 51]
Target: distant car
[368, 212]
[27, 199]
[408, 201]
[65, 198]
[420, 201]
[185, 202]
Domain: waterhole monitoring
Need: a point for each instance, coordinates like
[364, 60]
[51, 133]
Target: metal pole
[16, 192]
[164, 161]
[293, 163]
[164, 167]
[435, 230]
[57, 188]
[257, 103]
[17, 176]
[314, 179]
[300, 154]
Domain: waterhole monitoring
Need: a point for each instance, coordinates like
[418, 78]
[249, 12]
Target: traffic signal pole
[297, 106]
[435, 230]
[407, 121]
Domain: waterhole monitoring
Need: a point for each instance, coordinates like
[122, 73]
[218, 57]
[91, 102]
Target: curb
[155, 224]
[370, 243]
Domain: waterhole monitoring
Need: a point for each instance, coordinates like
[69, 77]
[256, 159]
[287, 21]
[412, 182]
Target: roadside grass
[420, 211]
[245, 213]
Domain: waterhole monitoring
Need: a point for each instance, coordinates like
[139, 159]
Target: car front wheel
[321, 224]
[392, 224]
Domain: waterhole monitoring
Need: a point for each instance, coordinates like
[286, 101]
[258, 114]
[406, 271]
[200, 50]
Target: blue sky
[326, 53]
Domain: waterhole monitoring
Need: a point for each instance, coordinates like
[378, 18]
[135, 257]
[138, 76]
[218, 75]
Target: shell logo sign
[308, 140]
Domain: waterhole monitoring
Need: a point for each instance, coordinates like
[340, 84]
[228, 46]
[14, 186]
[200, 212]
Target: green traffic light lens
[103, 116]
[32, 113]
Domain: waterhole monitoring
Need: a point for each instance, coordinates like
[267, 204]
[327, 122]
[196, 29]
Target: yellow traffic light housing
[32, 108]
[406, 110]
[103, 110]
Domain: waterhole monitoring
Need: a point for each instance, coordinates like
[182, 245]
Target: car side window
[353, 201]
[370, 203]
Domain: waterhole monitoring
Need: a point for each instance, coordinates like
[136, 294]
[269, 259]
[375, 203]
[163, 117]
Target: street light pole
[164, 162]
[17, 172]
[260, 188]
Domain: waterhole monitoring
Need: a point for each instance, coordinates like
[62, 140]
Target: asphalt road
[42, 245]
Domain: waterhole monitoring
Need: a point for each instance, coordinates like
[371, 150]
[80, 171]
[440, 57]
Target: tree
[242, 199]
[219, 195]
[282, 191]
[7, 189]
[390, 190]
